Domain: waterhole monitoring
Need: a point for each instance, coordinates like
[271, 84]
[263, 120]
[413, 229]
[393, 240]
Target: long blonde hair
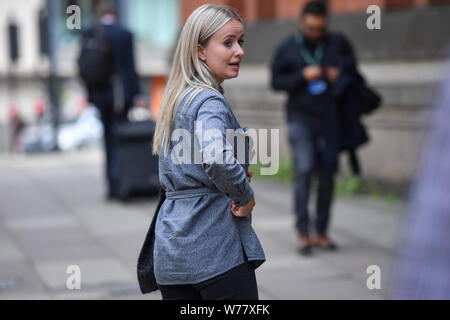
[188, 72]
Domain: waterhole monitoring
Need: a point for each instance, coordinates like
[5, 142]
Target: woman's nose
[239, 51]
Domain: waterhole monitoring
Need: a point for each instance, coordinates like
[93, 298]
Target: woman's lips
[234, 66]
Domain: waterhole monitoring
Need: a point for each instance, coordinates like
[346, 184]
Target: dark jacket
[145, 265]
[351, 131]
[287, 75]
[339, 109]
[354, 99]
[124, 68]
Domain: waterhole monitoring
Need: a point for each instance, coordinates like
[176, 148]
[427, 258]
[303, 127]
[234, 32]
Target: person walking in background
[17, 125]
[204, 244]
[107, 66]
[308, 66]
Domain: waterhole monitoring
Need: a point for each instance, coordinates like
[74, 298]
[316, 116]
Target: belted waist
[189, 193]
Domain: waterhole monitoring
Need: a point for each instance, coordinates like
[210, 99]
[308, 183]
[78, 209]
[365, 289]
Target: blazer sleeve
[131, 66]
[349, 61]
[218, 159]
[286, 73]
[126, 67]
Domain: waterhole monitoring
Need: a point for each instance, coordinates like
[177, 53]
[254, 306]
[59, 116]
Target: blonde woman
[205, 246]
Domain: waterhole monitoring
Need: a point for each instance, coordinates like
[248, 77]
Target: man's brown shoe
[305, 247]
[324, 242]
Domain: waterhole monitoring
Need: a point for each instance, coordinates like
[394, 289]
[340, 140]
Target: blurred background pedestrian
[317, 69]
[17, 125]
[107, 66]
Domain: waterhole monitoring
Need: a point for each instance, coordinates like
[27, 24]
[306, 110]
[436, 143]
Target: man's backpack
[95, 61]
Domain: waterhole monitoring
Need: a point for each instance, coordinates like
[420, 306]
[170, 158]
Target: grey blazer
[196, 235]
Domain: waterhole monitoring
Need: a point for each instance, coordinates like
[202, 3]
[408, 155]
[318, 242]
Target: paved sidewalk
[52, 215]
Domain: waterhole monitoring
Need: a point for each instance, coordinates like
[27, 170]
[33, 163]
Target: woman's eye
[229, 43]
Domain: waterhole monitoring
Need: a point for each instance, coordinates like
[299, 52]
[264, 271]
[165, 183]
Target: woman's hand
[249, 175]
[244, 210]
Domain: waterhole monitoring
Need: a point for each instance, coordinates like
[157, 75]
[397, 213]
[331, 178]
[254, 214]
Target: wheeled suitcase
[138, 167]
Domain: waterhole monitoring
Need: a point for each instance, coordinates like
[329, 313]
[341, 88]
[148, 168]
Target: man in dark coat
[114, 99]
[308, 65]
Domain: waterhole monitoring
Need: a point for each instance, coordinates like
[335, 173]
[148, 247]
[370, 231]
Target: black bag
[145, 271]
[95, 61]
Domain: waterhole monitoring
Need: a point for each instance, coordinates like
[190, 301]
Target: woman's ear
[201, 53]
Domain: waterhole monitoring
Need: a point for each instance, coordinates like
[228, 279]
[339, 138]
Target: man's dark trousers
[308, 147]
[110, 141]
